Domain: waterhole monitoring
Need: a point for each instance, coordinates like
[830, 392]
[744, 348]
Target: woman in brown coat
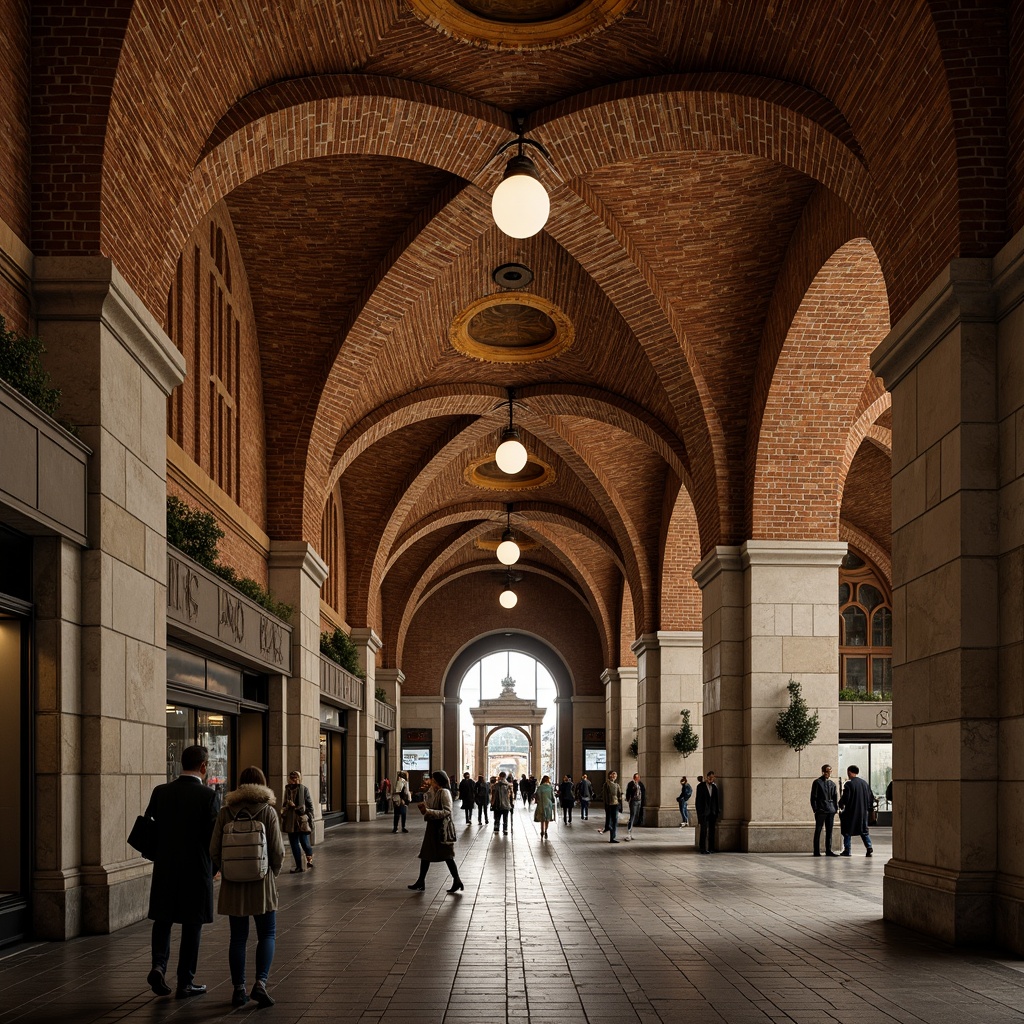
[258, 899]
[297, 820]
[435, 807]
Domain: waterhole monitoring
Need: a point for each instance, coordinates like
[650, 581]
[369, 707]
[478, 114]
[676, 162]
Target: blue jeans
[297, 839]
[584, 809]
[188, 950]
[266, 939]
[400, 812]
[611, 820]
[864, 835]
[634, 813]
[684, 811]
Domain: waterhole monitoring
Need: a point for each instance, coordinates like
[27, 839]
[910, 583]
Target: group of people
[854, 808]
[190, 823]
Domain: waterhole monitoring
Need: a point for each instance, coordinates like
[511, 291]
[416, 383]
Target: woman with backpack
[246, 811]
[297, 820]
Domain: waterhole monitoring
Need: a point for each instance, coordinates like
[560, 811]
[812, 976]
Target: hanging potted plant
[795, 726]
[686, 740]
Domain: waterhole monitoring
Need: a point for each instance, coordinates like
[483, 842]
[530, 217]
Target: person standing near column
[709, 808]
[636, 794]
[585, 793]
[685, 792]
[824, 799]
[185, 812]
[612, 796]
[854, 808]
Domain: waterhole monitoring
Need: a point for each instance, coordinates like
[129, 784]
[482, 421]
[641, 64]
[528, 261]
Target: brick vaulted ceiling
[709, 159]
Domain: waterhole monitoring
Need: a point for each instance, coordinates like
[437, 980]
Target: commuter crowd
[192, 837]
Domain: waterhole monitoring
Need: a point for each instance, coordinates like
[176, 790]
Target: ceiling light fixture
[508, 550]
[507, 598]
[511, 455]
[520, 204]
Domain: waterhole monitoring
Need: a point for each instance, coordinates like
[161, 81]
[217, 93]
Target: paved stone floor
[566, 931]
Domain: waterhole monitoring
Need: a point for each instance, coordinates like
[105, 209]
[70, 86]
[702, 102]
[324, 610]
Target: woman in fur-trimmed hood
[258, 899]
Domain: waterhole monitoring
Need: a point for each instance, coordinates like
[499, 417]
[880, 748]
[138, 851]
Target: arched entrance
[507, 715]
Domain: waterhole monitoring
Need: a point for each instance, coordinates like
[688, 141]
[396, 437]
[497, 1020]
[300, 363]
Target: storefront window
[181, 728]
[213, 730]
[875, 763]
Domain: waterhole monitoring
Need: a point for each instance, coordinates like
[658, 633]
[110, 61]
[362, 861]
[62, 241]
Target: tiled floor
[565, 931]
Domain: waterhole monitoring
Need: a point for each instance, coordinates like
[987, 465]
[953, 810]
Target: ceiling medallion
[519, 24]
[485, 473]
[512, 275]
[511, 328]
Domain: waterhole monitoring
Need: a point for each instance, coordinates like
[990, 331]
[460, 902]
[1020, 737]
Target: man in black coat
[185, 811]
[636, 798]
[709, 808]
[824, 801]
[467, 794]
[854, 809]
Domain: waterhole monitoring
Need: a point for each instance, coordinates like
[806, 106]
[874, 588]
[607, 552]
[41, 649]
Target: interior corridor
[566, 931]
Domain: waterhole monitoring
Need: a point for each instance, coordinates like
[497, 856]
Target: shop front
[342, 695]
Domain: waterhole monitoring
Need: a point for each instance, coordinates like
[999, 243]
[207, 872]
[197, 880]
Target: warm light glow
[508, 599]
[511, 456]
[508, 552]
[520, 204]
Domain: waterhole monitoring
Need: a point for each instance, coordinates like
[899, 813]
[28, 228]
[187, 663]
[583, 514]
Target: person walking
[524, 789]
[297, 820]
[709, 808]
[685, 792]
[384, 795]
[256, 899]
[544, 812]
[636, 796]
[482, 798]
[824, 801]
[584, 793]
[435, 806]
[185, 811]
[566, 799]
[467, 794]
[501, 802]
[854, 809]
[400, 800]
[612, 795]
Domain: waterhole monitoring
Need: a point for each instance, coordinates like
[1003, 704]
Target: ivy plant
[795, 726]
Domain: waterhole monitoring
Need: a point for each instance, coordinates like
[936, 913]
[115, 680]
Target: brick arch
[862, 428]
[858, 539]
[818, 381]
[680, 604]
[520, 642]
[539, 514]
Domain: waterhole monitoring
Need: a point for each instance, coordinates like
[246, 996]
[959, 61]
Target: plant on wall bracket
[686, 740]
[634, 747]
[795, 726]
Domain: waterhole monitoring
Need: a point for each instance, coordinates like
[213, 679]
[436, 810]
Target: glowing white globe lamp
[511, 455]
[520, 204]
[508, 550]
[507, 598]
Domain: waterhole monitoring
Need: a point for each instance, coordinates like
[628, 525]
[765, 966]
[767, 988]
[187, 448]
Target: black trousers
[188, 950]
[707, 833]
[823, 820]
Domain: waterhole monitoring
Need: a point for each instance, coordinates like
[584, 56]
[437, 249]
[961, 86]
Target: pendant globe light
[520, 204]
[508, 550]
[507, 598]
[511, 455]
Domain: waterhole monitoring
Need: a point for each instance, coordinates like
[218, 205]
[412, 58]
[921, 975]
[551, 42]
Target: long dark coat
[566, 796]
[857, 801]
[709, 803]
[185, 811]
[467, 793]
[438, 803]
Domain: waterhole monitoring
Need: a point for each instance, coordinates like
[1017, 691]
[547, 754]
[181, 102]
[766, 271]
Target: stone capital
[609, 677]
[680, 638]
[297, 554]
[962, 293]
[642, 644]
[793, 553]
[90, 288]
[390, 675]
[367, 637]
[724, 558]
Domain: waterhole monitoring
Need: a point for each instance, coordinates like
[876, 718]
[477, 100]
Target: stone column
[295, 574]
[791, 632]
[957, 870]
[563, 738]
[612, 682]
[391, 680]
[452, 738]
[115, 367]
[669, 679]
[360, 740]
[535, 740]
[480, 751]
[720, 578]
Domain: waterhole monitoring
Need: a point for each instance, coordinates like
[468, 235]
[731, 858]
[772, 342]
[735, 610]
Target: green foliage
[338, 646]
[686, 740]
[22, 367]
[634, 748]
[861, 695]
[382, 695]
[195, 533]
[795, 726]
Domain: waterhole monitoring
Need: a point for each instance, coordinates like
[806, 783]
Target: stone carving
[182, 589]
[271, 640]
[232, 616]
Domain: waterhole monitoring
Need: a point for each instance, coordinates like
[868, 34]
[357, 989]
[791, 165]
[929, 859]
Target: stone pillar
[720, 578]
[391, 680]
[115, 367]
[957, 870]
[535, 741]
[669, 679]
[295, 574]
[563, 738]
[362, 805]
[791, 632]
[612, 683]
[452, 738]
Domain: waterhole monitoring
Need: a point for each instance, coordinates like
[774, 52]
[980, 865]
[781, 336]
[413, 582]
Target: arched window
[865, 628]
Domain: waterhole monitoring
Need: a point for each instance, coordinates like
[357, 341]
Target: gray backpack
[243, 851]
